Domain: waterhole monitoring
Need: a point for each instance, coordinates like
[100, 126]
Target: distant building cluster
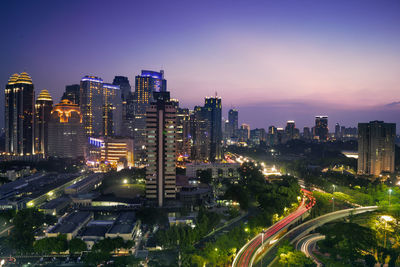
[112, 127]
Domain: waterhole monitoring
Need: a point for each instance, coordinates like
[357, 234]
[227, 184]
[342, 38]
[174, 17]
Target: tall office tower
[291, 131]
[182, 133]
[72, 93]
[43, 107]
[306, 133]
[321, 131]
[272, 136]
[145, 84]
[19, 115]
[337, 131]
[342, 131]
[233, 118]
[376, 147]
[124, 86]
[213, 112]
[244, 132]
[112, 110]
[227, 132]
[161, 145]
[91, 104]
[258, 135]
[127, 105]
[200, 127]
[66, 132]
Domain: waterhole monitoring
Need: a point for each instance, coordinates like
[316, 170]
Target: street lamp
[390, 192]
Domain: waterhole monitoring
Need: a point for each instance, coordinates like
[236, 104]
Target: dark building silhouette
[19, 115]
[233, 122]
[72, 93]
[321, 131]
[124, 85]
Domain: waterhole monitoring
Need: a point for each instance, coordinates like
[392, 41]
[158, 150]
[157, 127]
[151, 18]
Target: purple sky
[273, 60]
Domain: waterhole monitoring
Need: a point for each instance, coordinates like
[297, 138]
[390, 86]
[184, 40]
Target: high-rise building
[43, 108]
[291, 132]
[200, 127]
[160, 149]
[213, 112]
[72, 93]
[66, 133]
[183, 137]
[307, 133]
[145, 84]
[127, 105]
[124, 85]
[257, 136]
[244, 132]
[91, 103]
[376, 147]
[321, 131]
[112, 110]
[338, 136]
[19, 115]
[101, 106]
[233, 118]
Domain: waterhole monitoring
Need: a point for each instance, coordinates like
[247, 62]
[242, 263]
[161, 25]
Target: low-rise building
[125, 226]
[218, 170]
[71, 224]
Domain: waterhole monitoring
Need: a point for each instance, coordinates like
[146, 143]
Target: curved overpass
[247, 253]
[304, 229]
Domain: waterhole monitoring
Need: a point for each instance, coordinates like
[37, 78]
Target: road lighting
[390, 192]
[333, 198]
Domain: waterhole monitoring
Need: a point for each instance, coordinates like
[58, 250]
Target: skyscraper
[101, 107]
[291, 132]
[199, 131]
[112, 110]
[43, 107]
[145, 84]
[160, 149]
[19, 115]
[213, 112]
[376, 147]
[233, 118]
[66, 133]
[321, 130]
[124, 85]
[72, 93]
[337, 131]
[91, 104]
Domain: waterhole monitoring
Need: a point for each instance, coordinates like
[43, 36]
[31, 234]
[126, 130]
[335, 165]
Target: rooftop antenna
[216, 94]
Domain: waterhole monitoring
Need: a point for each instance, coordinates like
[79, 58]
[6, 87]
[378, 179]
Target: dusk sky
[273, 60]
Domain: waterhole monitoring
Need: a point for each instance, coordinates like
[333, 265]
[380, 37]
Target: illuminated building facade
[66, 133]
[91, 103]
[43, 107]
[376, 147]
[321, 131]
[101, 107]
[200, 127]
[145, 84]
[161, 149]
[113, 151]
[112, 110]
[19, 115]
[128, 114]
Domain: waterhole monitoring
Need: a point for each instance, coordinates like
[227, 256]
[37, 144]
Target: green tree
[76, 245]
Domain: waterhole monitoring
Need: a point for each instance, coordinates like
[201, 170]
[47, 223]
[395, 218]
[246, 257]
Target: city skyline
[289, 62]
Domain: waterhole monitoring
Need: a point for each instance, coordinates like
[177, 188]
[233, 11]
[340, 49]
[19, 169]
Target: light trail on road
[246, 253]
